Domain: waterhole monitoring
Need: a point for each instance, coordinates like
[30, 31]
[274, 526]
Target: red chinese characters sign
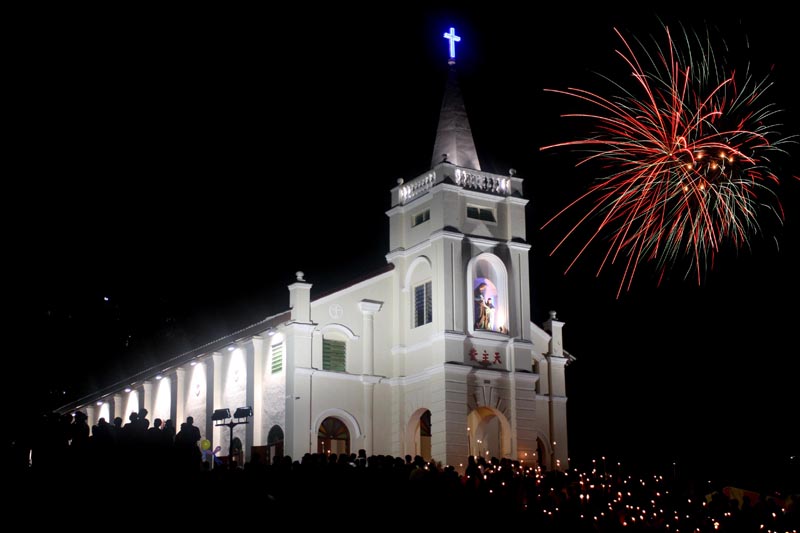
[485, 358]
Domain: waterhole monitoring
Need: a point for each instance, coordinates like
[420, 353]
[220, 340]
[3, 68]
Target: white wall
[196, 393]
[274, 390]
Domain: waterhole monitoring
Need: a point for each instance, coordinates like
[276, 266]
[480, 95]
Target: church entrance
[275, 443]
[418, 434]
[540, 451]
[422, 436]
[333, 437]
[489, 433]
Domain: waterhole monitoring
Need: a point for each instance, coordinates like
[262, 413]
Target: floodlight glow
[104, 412]
[163, 400]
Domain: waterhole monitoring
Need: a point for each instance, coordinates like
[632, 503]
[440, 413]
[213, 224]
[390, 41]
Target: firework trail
[686, 155]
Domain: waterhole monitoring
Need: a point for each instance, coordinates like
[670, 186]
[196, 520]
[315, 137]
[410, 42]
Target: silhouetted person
[142, 422]
[361, 459]
[169, 432]
[186, 445]
[154, 437]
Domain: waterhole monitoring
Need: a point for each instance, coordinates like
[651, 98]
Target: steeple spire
[454, 141]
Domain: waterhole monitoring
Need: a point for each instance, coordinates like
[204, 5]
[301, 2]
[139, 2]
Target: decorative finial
[453, 38]
[299, 275]
[512, 172]
[400, 181]
[444, 158]
[553, 315]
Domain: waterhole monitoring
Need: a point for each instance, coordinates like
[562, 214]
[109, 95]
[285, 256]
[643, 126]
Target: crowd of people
[67, 461]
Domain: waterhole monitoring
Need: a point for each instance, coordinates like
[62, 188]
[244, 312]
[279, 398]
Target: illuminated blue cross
[453, 38]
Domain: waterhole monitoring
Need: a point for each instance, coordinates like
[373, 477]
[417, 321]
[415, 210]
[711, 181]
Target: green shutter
[277, 358]
[334, 355]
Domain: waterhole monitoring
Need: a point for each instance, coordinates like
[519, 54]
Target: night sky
[174, 169]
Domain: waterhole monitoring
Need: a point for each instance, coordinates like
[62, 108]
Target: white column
[368, 309]
[300, 299]
[369, 399]
[512, 381]
[117, 409]
[554, 326]
[299, 438]
[178, 386]
[91, 414]
[254, 394]
[208, 368]
[215, 384]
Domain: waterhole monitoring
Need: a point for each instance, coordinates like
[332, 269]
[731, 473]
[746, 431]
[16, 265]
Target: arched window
[418, 282]
[488, 294]
[423, 304]
[333, 437]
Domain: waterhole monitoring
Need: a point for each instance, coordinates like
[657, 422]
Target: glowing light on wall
[198, 382]
[104, 412]
[237, 370]
[132, 406]
[500, 320]
[163, 403]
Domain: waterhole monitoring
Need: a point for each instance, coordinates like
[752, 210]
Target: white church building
[436, 355]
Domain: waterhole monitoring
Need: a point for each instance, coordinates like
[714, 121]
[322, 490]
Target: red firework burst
[687, 150]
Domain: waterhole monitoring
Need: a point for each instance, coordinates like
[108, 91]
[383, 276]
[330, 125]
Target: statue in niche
[482, 309]
[485, 302]
[488, 312]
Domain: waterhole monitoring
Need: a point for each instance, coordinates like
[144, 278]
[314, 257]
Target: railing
[467, 178]
[483, 182]
[414, 188]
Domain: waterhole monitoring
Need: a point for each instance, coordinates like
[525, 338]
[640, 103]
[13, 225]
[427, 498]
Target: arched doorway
[275, 443]
[489, 433]
[333, 437]
[422, 436]
[540, 453]
[418, 434]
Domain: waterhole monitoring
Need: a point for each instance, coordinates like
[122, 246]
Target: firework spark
[687, 150]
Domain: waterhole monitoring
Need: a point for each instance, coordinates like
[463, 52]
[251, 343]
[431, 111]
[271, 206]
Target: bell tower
[458, 244]
[462, 230]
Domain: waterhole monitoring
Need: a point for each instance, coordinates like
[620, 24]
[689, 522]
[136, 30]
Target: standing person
[187, 444]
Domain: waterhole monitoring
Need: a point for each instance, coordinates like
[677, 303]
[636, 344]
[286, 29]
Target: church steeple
[453, 136]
